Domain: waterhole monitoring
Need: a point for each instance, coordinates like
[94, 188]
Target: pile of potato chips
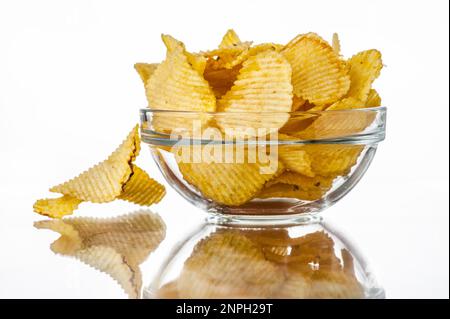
[240, 86]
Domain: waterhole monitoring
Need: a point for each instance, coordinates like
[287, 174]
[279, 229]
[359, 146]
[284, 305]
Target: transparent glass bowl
[264, 165]
[292, 261]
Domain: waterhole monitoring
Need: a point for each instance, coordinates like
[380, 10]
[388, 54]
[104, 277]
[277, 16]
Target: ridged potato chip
[331, 160]
[336, 44]
[231, 184]
[364, 68]
[282, 190]
[263, 85]
[177, 86]
[103, 182]
[318, 74]
[373, 99]
[295, 159]
[141, 189]
[145, 70]
[115, 246]
[230, 39]
[57, 207]
[303, 182]
[228, 265]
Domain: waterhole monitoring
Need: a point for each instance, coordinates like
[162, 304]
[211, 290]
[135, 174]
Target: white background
[69, 94]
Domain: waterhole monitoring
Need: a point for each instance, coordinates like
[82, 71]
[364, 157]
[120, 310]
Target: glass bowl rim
[377, 109]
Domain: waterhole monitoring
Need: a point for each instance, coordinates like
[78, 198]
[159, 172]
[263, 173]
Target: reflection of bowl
[302, 261]
[264, 163]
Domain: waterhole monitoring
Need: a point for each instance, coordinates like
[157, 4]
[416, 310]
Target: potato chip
[303, 182]
[364, 68]
[57, 207]
[141, 189]
[373, 99]
[331, 160]
[295, 159]
[228, 265]
[336, 124]
[230, 39]
[103, 182]
[263, 85]
[115, 246]
[336, 44]
[318, 74]
[145, 70]
[231, 184]
[177, 86]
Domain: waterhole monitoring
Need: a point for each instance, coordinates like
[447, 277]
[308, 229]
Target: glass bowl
[293, 261]
[263, 165]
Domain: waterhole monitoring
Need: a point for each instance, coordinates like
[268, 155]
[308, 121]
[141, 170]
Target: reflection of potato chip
[333, 159]
[364, 68]
[56, 207]
[295, 159]
[142, 189]
[227, 183]
[168, 291]
[145, 70]
[177, 86]
[115, 246]
[103, 182]
[263, 85]
[228, 265]
[318, 75]
[334, 285]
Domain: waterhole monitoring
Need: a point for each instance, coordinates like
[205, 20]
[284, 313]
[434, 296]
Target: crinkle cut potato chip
[318, 74]
[231, 184]
[230, 39]
[295, 159]
[336, 44]
[331, 160]
[177, 86]
[263, 85]
[115, 246]
[142, 189]
[57, 207]
[373, 99]
[364, 68]
[116, 177]
[103, 182]
[228, 265]
[221, 80]
[145, 70]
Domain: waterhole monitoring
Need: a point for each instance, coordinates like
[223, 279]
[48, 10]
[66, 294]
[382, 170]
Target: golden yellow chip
[233, 183]
[331, 160]
[103, 182]
[303, 182]
[373, 99]
[336, 44]
[281, 190]
[295, 159]
[262, 86]
[297, 103]
[145, 70]
[197, 61]
[335, 124]
[115, 246]
[142, 189]
[57, 207]
[364, 68]
[228, 265]
[177, 86]
[318, 74]
[230, 39]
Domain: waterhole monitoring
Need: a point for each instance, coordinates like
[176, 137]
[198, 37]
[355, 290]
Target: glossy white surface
[69, 94]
